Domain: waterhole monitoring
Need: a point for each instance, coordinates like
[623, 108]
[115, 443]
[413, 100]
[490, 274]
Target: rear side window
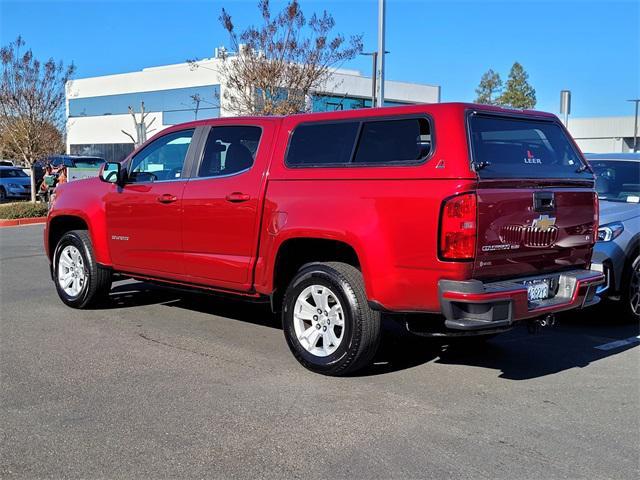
[504, 147]
[367, 142]
[229, 150]
[394, 141]
[322, 144]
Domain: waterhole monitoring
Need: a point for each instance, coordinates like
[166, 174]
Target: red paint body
[389, 215]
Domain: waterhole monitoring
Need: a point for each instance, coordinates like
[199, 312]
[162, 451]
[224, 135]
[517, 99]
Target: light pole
[635, 125]
[374, 55]
[381, 51]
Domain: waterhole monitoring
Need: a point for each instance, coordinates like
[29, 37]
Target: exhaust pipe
[536, 324]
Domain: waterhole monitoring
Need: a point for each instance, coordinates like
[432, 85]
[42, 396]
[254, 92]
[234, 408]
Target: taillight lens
[458, 228]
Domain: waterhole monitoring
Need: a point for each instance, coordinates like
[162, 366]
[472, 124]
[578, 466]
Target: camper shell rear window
[517, 147]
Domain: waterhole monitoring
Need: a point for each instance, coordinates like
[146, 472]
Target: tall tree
[281, 61]
[32, 96]
[489, 88]
[518, 92]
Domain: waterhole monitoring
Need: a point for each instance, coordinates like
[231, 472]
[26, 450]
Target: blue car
[14, 183]
[617, 252]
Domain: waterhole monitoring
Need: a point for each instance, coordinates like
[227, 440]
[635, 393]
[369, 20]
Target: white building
[603, 134]
[97, 108]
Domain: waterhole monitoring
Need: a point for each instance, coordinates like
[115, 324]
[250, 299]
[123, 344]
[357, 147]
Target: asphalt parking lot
[166, 384]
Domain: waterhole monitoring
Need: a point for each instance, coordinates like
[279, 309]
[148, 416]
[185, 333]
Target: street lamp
[381, 50]
[374, 74]
[635, 125]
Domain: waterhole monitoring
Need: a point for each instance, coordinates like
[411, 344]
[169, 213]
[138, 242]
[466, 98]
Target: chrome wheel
[318, 320]
[72, 276]
[634, 288]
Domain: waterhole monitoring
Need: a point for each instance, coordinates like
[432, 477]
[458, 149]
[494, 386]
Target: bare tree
[32, 96]
[141, 128]
[279, 63]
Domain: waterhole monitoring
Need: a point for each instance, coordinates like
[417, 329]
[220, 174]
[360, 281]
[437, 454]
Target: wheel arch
[60, 224]
[295, 252]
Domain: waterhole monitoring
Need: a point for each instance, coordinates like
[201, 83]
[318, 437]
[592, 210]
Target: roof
[413, 108]
[613, 156]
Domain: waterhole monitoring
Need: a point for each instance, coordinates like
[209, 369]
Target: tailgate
[536, 203]
[526, 231]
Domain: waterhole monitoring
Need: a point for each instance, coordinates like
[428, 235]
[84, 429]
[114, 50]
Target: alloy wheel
[318, 320]
[72, 276]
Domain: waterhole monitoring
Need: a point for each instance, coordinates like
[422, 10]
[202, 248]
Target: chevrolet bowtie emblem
[544, 222]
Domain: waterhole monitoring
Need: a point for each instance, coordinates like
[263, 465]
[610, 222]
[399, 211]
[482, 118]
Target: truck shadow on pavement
[517, 355]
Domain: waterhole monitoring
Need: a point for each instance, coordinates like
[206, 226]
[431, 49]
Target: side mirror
[110, 172]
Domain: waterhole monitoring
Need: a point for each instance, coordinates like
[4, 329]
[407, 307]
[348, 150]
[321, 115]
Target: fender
[84, 200]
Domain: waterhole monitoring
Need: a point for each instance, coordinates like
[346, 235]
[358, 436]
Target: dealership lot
[170, 384]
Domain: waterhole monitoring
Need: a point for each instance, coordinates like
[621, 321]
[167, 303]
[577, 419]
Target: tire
[74, 255]
[3, 194]
[630, 298]
[350, 346]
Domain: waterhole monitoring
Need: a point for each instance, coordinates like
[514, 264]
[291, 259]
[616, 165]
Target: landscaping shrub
[12, 211]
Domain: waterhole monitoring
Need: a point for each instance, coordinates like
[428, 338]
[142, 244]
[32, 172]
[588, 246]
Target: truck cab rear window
[508, 147]
[372, 142]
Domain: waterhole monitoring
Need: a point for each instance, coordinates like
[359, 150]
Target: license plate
[537, 291]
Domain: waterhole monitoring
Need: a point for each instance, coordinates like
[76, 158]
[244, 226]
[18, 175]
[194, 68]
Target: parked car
[14, 183]
[478, 215]
[617, 252]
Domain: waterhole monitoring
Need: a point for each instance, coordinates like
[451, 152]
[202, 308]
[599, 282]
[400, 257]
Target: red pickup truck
[478, 215]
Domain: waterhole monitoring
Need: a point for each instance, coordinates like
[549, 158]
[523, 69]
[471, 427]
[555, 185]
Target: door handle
[167, 198]
[237, 197]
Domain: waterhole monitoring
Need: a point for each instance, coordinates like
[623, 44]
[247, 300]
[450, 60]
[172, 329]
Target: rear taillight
[458, 227]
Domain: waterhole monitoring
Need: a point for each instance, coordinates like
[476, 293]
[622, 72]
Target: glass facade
[331, 103]
[177, 105]
[111, 152]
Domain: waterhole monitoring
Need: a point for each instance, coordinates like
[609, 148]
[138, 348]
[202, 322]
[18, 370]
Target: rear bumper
[474, 305]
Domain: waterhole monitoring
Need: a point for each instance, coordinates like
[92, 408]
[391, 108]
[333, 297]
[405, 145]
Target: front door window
[161, 160]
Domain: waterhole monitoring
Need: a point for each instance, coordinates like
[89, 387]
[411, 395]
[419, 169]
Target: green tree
[489, 88]
[518, 93]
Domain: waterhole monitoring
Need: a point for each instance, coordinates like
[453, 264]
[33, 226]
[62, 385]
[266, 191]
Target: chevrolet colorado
[478, 215]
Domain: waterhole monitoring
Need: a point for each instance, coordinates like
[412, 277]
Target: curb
[16, 222]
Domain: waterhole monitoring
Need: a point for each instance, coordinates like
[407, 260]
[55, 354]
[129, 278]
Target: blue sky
[589, 47]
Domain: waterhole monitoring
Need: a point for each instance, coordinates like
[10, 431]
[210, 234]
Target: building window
[200, 102]
[331, 103]
[111, 152]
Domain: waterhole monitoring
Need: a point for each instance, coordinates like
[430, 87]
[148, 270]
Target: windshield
[510, 147]
[617, 181]
[12, 173]
[89, 162]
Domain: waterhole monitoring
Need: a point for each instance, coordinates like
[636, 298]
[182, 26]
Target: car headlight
[610, 231]
[14, 185]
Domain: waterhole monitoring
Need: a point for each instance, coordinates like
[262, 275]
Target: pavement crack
[160, 342]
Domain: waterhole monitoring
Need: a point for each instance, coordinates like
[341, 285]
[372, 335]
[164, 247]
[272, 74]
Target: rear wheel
[327, 321]
[3, 194]
[79, 280]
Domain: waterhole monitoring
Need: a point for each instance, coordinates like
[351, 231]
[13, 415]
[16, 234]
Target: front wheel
[327, 321]
[79, 280]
